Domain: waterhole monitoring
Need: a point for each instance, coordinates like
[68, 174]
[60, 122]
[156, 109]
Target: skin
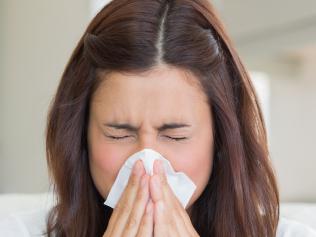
[147, 101]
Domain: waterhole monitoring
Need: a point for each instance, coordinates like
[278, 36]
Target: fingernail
[156, 188]
[144, 180]
[160, 167]
[136, 168]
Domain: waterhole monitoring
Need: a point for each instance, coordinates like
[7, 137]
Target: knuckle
[172, 221]
[141, 195]
[131, 223]
[133, 181]
[123, 207]
[163, 180]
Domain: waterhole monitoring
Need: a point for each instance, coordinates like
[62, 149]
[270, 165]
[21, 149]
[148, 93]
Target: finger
[147, 223]
[166, 222]
[164, 190]
[177, 213]
[160, 220]
[124, 205]
[167, 192]
[138, 210]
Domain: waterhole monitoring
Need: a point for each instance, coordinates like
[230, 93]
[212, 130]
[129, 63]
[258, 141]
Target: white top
[32, 223]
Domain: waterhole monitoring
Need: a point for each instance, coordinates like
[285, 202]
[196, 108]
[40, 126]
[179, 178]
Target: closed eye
[173, 138]
[117, 138]
[177, 138]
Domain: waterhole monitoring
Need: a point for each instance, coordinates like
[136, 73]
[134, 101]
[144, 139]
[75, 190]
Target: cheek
[107, 159]
[105, 162]
[195, 164]
[199, 170]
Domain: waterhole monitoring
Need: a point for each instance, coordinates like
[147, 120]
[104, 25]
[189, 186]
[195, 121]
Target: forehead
[161, 80]
[163, 91]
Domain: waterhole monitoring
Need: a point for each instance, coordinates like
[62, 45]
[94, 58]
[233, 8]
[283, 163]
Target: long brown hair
[241, 198]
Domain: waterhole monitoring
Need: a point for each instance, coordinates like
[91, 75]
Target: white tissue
[182, 186]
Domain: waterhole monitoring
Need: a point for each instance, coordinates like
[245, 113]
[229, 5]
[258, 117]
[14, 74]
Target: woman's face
[146, 102]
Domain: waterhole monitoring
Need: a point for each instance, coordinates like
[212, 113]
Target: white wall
[293, 126]
[37, 37]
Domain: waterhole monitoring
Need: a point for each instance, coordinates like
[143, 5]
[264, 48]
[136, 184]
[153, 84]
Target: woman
[160, 74]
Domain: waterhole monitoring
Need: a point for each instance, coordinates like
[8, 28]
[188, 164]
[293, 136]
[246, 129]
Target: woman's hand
[132, 216]
[170, 218]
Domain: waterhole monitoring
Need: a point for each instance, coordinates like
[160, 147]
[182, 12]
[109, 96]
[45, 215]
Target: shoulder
[291, 228]
[24, 224]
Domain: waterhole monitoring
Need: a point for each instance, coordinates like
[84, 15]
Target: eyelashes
[117, 138]
[172, 138]
[177, 138]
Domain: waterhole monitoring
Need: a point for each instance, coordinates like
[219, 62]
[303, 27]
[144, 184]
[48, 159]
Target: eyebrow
[131, 128]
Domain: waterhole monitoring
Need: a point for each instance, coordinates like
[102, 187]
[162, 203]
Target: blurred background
[275, 39]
